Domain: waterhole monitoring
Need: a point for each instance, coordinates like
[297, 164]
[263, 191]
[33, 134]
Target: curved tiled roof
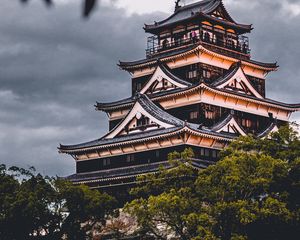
[127, 102]
[227, 76]
[234, 69]
[222, 123]
[123, 102]
[186, 50]
[167, 71]
[155, 60]
[190, 11]
[129, 172]
[157, 112]
[268, 130]
[154, 111]
[132, 137]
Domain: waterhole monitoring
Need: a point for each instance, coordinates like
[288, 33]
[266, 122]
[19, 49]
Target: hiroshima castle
[197, 87]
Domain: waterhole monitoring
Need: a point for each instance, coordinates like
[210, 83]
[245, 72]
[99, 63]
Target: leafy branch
[87, 7]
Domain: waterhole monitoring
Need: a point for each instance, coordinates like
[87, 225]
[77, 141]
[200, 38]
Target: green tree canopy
[251, 193]
[37, 207]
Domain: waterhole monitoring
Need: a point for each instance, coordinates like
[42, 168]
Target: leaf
[88, 7]
[47, 2]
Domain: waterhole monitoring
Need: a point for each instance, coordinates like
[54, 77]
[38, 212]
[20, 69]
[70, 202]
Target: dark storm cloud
[275, 38]
[54, 66]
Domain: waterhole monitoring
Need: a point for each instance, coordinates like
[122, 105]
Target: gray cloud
[54, 66]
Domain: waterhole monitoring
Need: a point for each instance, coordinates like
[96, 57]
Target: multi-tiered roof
[197, 87]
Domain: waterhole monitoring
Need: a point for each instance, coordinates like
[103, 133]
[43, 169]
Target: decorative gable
[228, 125]
[218, 14]
[232, 127]
[269, 130]
[144, 116]
[240, 83]
[162, 80]
[222, 13]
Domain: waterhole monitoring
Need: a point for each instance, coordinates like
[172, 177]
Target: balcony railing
[240, 46]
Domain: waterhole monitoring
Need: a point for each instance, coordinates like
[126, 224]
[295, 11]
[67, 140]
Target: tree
[283, 144]
[179, 174]
[168, 205]
[239, 191]
[86, 209]
[89, 5]
[251, 193]
[37, 207]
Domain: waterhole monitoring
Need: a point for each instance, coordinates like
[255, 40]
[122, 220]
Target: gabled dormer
[144, 116]
[229, 125]
[237, 81]
[163, 80]
[272, 128]
[221, 13]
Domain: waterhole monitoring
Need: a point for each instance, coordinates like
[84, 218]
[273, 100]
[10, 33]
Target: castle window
[214, 154]
[157, 153]
[206, 73]
[143, 121]
[106, 162]
[193, 115]
[246, 123]
[206, 152]
[192, 74]
[130, 158]
[209, 114]
[202, 152]
[138, 86]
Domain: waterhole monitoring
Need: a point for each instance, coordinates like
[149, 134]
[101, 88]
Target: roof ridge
[197, 3]
[159, 113]
[268, 129]
[235, 67]
[222, 122]
[167, 71]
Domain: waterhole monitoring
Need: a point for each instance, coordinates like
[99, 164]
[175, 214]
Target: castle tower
[197, 87]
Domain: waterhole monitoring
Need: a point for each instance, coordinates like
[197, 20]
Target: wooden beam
[170, 139]
[237, 101]
[200, 140]
[109, 151]
[226, 99]
[182, 137]
[188, 137]
[185, 137]
[215, 96]
[146, 145]
[258, 105]
[121, 149]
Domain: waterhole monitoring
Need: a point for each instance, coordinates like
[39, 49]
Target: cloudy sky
[54, 66]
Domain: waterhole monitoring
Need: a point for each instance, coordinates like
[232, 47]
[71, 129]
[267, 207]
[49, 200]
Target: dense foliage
[252, 193]
[37, 207]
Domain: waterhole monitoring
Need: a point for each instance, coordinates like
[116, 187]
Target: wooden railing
[226, 46]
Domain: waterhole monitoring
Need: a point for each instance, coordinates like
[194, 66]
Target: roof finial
[177, 6]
